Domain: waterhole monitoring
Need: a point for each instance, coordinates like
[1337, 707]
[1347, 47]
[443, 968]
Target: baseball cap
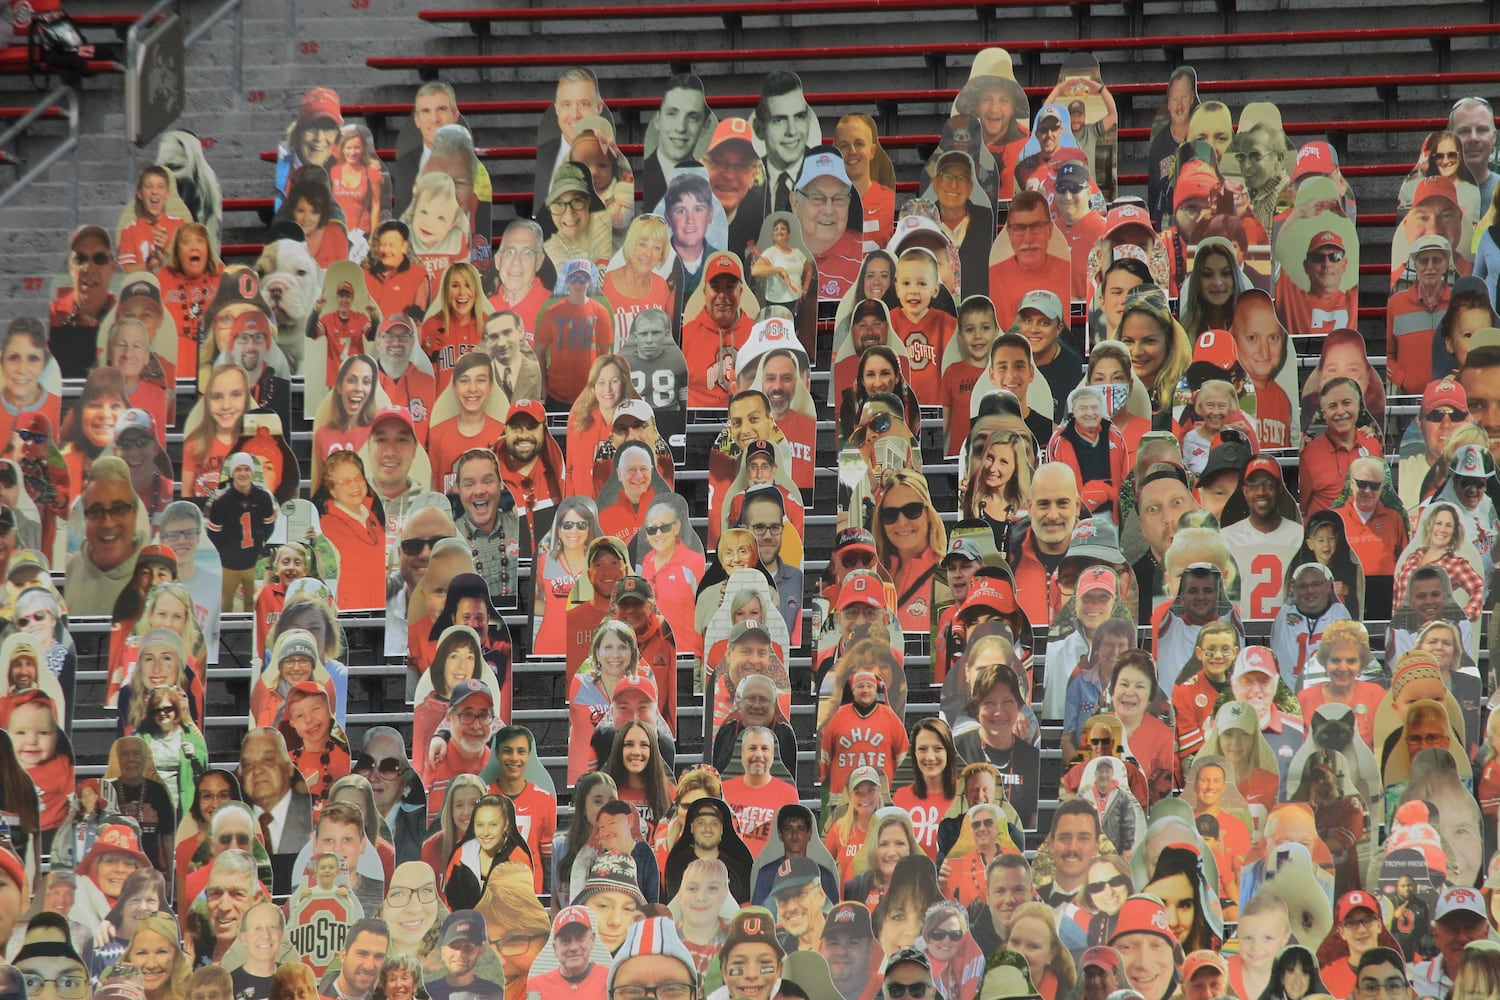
[822, 165]
[1097, 578]
[1432, 241]
[849, 917]
[749, 626]
[987, 592]
[638, 409]
[140, 288]
[1100, 957]
[1460, 899]
[135, 420]
[765, 448]
[1326, 238]
[860, 775]
[731, 130]
[853, 538]
[346, 286]
[1204, 959]
[1435, 187]
[570, 178]
[1127, 215]
[578, 269]
[318, 103]
[467, 690]
[634, 587]
[861, 587]
[1071, 171]
[794, 873]
[1444, 392]
[1315, 158]
[1215, 348]
[642, 683]
[464, 925]
[911, 955]
[571, 916]
[527, 407]
[597, 124]
[1197, 180]
[1255, 659]
[911, 226]
[1263, 463]
[1045, 302]
[400, 414]
[956, 157]
[157, 554]
[1356, 899]
[720, 264]
[1096, 538]
[963, 548]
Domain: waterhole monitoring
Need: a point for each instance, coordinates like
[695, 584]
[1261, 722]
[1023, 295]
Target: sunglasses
[238, 839]
[38, 618]
[1326, 257]
[1118, 882]
[1451, 416]
[1105, 742]
[913, 511]
[914, 990]
[98, 258]
[954, 936]
[1468, 482]
[32, 437]
[416, 546]
[660, 529]
[1070, 189]
[166, 711]
[573, 525]
[1445, 157]
[1366, 485]
[386, 765]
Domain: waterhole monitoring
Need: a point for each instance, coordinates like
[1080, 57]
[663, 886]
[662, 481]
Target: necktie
[505, 381]
[783, 193]
[265, 832]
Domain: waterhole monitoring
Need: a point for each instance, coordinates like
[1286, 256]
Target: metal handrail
[66, 97]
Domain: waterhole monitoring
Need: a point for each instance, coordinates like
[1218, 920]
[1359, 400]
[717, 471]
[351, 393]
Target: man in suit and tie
[679, 125]
[434, 106]
[783, 122]
[518, 374]
[279, 797]
[577, 98]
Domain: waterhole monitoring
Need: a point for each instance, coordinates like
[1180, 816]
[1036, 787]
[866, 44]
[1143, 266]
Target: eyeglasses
[233, 840]
[470, 718]
[525, 253]
[573, 525]
[981, 824]
[397, 338]
[516, 944]
[1326, 257]
[765, 529]
[914, 990]
[389, 766]
[913, 511]
[1449, 415]
[1118, 882]
[1366, 485]
[402, 896]
[822, 201]
[1427, 740]
[416, 546]
[1445, 157]
[1394, 986]
[185, 535]
[660, 529]
[31, 437]
[666, 991]
[943, 935]
[70, 985]
[99, 258]
[949, 177]
[98, 512]
[571, 205]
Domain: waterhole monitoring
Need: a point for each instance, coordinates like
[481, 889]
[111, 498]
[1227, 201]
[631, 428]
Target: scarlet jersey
[755, 809]
[850, 741]
[925, 815]
[345, 336]
[958, 385]
[925, 340]
[536, 819]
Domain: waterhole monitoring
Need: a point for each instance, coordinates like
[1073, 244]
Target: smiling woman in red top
[355, 523]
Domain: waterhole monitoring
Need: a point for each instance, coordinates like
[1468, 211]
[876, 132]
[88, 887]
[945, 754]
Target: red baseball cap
[1356, 899]
[1197, 180]
[1263, 463]
[319, 103]
[861, 587]
[1127, 215]
[1444, 392]
[398, 413]
[988, 592]
[1315, 158]
[531, 407]
[1216, 347]
[641, 682]
[1327, 238]
[1435, 187]
[731, 130]
[720, 264]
